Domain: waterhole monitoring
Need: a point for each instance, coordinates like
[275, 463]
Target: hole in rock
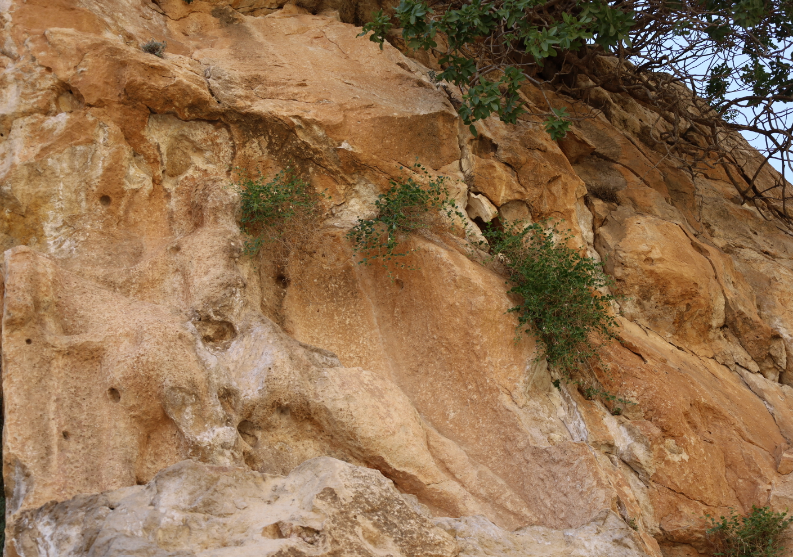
[65, 435]
[105, 200]
[480, 223]
[227, 400]
[28, 341]
[114, 395]
[249, 432]
[282, 280]
[216, 333]
[272, 532]
[483, 147]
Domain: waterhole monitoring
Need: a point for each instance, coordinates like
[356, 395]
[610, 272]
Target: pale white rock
[323, 507]
[607, 534]
[479, 206]
[785, 465]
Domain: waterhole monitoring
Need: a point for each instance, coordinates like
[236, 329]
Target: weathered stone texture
[136, 334]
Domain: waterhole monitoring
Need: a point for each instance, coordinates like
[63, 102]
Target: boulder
[323, 507]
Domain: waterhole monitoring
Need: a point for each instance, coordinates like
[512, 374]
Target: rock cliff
[166, 394]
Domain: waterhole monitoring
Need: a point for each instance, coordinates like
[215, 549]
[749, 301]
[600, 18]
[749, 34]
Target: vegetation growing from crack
[617, 403]
[154, 47]
[410, 205]
[282, 212]
[756, 534]
[707, 68]
[561, 302]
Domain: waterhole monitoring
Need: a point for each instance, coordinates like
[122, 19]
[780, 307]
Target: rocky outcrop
[136, 334]
[323, 507]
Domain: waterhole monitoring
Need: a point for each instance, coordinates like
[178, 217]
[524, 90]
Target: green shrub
[558, 288]
[285, 210]
[616, 402]
[405, 208]
[154, 47]
[758, 534]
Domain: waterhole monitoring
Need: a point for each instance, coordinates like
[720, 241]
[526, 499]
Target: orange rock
[149, 333]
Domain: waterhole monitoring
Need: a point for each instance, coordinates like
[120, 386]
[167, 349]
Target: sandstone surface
[136, 333]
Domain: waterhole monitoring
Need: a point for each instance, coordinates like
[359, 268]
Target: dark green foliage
[476, 22]
[758, 534]
[558, 288]
[749, 39]
[154, 47]
[709, 68]
[557, 125]
[284, 209]
[406, 207]
[382, 24]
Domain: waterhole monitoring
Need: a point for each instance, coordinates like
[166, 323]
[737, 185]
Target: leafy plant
[557, 125]
[154, 47]
[485, 38]
[757, 534]
[708, 68]
[406, 207]
[559, 291]
[283, 210]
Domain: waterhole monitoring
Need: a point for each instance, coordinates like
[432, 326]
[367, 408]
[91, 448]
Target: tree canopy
[708, 68]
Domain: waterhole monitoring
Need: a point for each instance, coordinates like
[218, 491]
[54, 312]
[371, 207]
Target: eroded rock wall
[136, 334]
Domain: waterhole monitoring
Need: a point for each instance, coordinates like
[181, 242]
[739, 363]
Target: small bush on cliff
[558, 288]
[758, 534]
[617, 403]
[406, 207]
[154, 47]
[283, 210]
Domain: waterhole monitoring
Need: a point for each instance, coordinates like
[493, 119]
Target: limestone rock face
[606, 535]
[324, 507]
[136, 333]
